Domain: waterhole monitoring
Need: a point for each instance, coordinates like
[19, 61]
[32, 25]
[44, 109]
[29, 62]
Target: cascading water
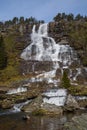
[17, 90]
[57, 97]
[44, 48]
[16, 108]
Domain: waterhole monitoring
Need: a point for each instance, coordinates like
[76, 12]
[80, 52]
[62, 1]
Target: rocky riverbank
[77, 123]
[44, 100]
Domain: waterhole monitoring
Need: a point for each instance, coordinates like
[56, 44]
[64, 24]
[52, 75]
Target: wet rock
[6, 104]
[37, 107]
[58, 73]
[81, 79]
[3, 96]
[3, 89]
[51, 109]
[83, 103]
[71, 104]
[77, 123]
[7, 101]
[35, 104]
[26, 117]
[32, 66]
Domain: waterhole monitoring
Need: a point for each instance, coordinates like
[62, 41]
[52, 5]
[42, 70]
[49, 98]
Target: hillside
[16, 35]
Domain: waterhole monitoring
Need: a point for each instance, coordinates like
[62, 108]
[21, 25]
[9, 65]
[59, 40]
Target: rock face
[77, 123]
[71, 104]
[33, 66]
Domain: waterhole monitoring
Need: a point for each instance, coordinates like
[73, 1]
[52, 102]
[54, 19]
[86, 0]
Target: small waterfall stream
[55, 96]
[17, 90]
[15, 109]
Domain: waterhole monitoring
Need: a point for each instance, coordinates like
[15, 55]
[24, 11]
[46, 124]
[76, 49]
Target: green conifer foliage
[65, 83]
[3, 56]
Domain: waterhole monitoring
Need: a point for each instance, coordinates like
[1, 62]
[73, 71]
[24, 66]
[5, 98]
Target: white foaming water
[57, 97]
[17, 107]
[55, 93]
[78, 72]
[49, 74]
[44, 48]
[46, 76]
[59, 101]
[81, 97]
[17, 90]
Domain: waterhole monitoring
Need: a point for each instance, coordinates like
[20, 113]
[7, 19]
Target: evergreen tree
[58, 17]
[21, 20]
[70, 17]
[64, 16]
[78, 17]
[65, 80]
[15, 20]
[3, 57]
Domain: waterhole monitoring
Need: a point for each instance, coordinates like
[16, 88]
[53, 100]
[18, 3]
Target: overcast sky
[40, 9]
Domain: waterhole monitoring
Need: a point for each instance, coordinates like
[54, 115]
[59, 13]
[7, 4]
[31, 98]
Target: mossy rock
[78, 90]
[7, 104]
[83, 103]
[39, 112]
[77, 123]
[46, 112]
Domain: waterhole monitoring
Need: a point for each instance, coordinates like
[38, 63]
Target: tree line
[21, 20]
[69, 17]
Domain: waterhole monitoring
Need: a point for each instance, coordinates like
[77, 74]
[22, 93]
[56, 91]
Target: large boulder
[71, 104]
[77, 123]
[6, 104]
[38, 107]
[51, 109]
[34, 105]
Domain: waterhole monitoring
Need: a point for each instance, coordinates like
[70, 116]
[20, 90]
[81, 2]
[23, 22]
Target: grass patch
[39, 112]
[78, 90]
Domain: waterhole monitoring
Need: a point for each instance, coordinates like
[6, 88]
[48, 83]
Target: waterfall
[16, 108]
[57, 97]
[17, 90]
[44, 48]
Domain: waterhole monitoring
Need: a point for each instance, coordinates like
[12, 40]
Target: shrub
[65, 80]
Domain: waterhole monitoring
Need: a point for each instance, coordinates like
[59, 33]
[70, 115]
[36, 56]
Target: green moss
[78, 90]
[8, 73]
[39, 112]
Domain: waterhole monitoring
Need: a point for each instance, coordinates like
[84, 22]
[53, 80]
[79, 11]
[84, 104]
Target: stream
[14, 121]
